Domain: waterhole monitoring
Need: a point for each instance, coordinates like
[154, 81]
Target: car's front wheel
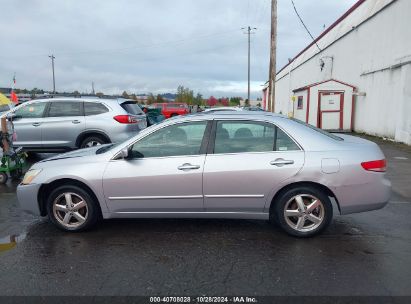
[71, 208]
[303, 211]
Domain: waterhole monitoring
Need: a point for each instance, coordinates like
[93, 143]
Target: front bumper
[27, 196]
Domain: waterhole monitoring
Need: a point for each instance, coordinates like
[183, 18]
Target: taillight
[375, 165]
[125, 119]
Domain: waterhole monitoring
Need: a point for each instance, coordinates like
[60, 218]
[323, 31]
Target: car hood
[74, 154]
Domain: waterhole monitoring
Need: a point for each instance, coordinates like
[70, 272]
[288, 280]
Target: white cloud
[151, 45]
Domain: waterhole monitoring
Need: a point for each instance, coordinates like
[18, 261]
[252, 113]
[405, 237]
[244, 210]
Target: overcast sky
[153, 46]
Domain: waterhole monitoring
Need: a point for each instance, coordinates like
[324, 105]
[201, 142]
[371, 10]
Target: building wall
[375, 56]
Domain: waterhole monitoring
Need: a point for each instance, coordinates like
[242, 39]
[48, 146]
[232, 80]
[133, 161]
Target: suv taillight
[125, 119]
[375, 165]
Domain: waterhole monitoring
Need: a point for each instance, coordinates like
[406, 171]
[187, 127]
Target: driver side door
[163, 173]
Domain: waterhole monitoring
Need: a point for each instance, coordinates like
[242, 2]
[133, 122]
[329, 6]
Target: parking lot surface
[362, 254]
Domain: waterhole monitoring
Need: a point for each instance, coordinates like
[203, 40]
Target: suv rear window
[94, 108]
[131, 108]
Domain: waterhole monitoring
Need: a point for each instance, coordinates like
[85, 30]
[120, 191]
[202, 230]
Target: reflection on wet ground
[9, 242]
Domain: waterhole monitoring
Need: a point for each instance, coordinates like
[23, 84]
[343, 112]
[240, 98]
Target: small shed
[328, 105]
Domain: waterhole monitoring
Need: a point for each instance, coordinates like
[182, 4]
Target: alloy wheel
[92, 143]
[304, 212]
[70, 210]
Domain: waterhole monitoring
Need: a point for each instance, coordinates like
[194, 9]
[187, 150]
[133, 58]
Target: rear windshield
[318, 130]
[131, 108]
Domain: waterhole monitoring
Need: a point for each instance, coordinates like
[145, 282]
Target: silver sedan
[232, 165]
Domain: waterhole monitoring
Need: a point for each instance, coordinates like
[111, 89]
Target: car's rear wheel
[303, 211]
[71, 208]
[92, 141]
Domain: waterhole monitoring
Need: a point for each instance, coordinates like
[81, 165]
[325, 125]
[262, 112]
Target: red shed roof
[318, 83]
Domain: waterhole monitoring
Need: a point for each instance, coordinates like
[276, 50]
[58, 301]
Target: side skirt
[210, 215]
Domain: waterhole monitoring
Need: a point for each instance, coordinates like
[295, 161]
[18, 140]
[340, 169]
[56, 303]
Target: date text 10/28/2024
[203, 299]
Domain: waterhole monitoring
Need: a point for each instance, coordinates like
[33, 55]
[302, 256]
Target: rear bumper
[364, 197]
[27, 196]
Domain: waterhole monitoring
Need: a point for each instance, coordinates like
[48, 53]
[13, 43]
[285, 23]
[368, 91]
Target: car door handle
[188, 167]
[36, 124]
[76, 121]
[279, 162]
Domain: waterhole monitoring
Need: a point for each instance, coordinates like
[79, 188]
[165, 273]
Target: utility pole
[273, 57]
[92, 88]
[54, 80]
[249, 32]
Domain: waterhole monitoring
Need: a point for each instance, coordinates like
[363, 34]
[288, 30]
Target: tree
[247, 103]
[235, 101]
[185, 95]
[150, 99]
[224, 102]
[159, 98]
[125, 95]
[76, 93]
[198, 100]
[212, 101]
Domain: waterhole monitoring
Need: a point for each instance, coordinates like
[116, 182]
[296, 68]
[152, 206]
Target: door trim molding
[126, 198]
[236, 196]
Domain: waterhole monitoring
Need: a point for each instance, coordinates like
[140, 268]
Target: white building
[359, 76]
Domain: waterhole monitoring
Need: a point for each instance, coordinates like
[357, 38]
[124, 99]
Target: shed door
[331, 105]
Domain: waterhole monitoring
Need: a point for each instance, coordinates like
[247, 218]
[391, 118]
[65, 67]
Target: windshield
[318, 130]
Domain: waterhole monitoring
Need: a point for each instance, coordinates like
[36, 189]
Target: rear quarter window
[94, 108]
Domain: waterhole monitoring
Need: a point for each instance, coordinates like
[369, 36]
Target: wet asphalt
[362, 254]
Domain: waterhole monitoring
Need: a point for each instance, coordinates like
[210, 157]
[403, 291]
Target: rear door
[248, 159]
[28, 124]
[63, 123]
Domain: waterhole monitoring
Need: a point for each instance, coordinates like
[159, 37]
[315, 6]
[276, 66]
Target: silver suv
[59, 124]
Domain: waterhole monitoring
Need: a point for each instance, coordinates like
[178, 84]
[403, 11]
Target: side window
[284, 143]
[244, 136]
[175, 140]
[65, 108]
[33, 110]
[94, 108]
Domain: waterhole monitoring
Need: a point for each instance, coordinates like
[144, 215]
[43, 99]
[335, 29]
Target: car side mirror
[13, 116]
[124, 153]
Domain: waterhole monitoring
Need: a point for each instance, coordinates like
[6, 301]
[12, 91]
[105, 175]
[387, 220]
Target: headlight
[30, 175]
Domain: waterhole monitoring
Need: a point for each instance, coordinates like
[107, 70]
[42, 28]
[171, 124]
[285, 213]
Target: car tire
[173, 115]
[92, 141]
[303, 211]
[3, 178]
[72, 208]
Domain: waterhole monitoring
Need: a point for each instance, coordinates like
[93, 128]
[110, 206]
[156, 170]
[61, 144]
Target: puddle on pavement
[9, 242]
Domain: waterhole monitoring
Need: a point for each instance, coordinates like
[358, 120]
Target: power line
[114, 50]
[306, 28]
